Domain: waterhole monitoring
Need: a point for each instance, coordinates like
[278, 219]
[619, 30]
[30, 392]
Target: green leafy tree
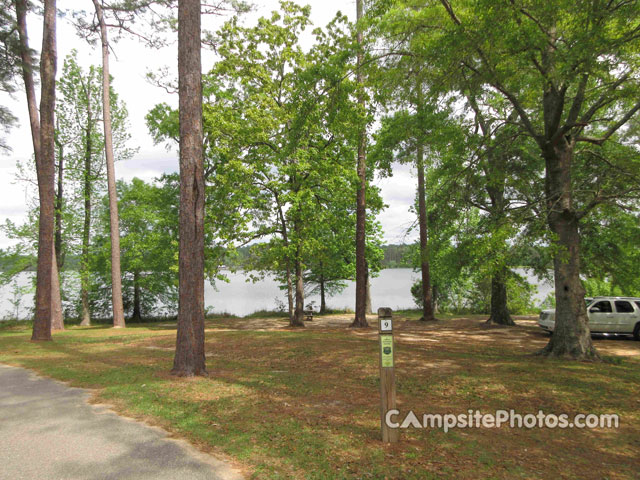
[362, 277]
[411, 129]
[80, 145]
[149, 226]
[610, 252]
[333, 261]
[569, 71]
[279, 133]
[121, 16]
[79, 171]
[499, 177]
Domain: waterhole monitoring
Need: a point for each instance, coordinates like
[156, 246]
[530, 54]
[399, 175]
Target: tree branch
[613, 129]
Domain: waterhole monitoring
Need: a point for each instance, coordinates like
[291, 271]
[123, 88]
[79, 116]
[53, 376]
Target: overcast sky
[129, 65]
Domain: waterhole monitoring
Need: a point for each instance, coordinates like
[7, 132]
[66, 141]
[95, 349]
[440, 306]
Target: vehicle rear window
[638, 303]
[603, 306]
[623, 306]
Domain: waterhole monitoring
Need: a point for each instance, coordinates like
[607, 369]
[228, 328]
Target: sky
[129, 63]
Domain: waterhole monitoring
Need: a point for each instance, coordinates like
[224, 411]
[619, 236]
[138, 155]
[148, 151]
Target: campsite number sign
[386, 325]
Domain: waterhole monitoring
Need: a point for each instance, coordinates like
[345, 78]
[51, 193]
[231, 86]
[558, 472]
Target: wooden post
[387, 374]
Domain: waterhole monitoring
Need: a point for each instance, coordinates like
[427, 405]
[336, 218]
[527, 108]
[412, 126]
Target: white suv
[606, 315]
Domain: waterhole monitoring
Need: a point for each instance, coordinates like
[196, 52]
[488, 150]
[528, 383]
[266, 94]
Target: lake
[392, 288]
[239, 297]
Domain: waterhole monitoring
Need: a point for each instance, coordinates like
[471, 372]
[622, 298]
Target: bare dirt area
[451, 366]
[450, 333]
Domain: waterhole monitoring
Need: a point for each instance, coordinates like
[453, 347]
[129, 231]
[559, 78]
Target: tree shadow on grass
[308, 400]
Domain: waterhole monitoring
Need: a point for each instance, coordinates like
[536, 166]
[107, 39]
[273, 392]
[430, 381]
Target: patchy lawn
[304, 403]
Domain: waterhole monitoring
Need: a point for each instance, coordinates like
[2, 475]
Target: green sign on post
[386, 346]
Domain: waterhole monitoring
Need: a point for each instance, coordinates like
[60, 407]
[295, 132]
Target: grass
[304, 403]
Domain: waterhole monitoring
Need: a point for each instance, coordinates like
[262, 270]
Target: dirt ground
[303, 403]
[453, 331]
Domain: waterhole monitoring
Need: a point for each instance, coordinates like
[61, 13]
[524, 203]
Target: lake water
[390, 289]
[239, 297]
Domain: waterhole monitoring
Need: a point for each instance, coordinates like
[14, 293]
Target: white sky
[129, 66]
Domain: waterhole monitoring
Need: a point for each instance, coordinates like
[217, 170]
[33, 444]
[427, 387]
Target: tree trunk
[495, 179]
[59, 201]
[57, 317]
[434, 298]
[27, 76]
[137, 315]
[427, 300]
[360, 320]
[298, 318]
[116, 278]
[84, 282]
[285, 241]
[86, 228]
[323, 300]
[290, 294]
[499, 312]
[45, 167]
[190, 358]
[42, 134]
[571, 337]
[367, 309]
[495, 188]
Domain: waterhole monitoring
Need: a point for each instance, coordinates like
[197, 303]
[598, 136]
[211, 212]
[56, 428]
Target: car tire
[636, 331]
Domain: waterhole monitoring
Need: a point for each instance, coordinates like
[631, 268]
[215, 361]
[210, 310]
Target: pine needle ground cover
[304, 403]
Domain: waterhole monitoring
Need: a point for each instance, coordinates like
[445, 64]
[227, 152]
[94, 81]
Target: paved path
[48, 431]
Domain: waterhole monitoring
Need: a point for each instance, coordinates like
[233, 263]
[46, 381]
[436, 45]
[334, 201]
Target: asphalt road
[48, 431]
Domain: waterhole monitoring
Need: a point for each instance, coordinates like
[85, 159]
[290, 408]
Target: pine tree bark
[367, 308]
[45, 167]
[571, 337]
[360, 320]
[427, 300]
[27, 76]
[116, 277]
[42, 134]
[189, 358]
[57, 316]
[59, 206]
[434, 298]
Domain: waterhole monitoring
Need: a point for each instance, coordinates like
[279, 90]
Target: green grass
[304, 403]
